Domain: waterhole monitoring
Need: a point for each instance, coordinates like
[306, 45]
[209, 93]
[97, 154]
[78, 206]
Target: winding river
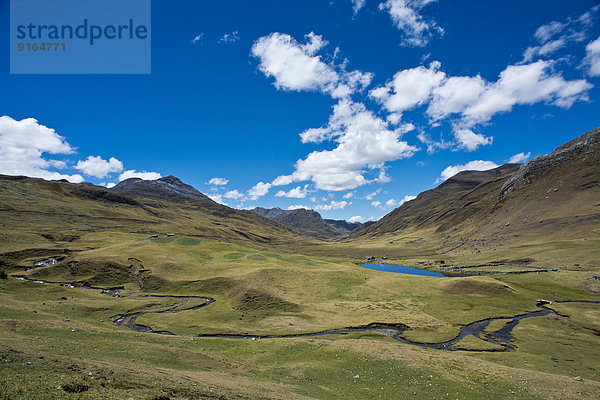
[501, 337]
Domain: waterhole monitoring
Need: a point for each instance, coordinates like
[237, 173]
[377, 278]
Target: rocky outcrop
[167, 188]
[540, 166]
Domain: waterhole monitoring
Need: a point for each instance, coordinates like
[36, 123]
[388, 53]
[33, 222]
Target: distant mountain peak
[307, 222]
[167, 188]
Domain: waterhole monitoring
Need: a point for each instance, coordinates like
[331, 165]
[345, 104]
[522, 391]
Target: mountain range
[550, 199]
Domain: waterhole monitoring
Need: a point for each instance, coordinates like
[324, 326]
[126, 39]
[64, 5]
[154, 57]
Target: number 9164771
[39, 47]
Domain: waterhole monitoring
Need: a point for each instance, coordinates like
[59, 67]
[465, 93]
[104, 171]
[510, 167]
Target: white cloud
[519, 158]
[525, 84]
[334, 205]
[592, 57]
[298, 207]
[406, 17]
[476, 165]
[409, 88]
[471, 99]
[233, 194]
[296, 193]
[556, 35]
[218, 198]
[297, 66]
[432, 145]
[230, 37]
[546, 49]
[547, 31]
[469, 140]
[131, 173]
[109, 185]
[259, 190]
[394, 203]
[357, 5]
[218, 181]
[454, 95]
[348, 195]
[355, 219]
[282, 180]
[370, 196]
[197, 38]
[376, 204]
[96, 166]
[22, 145]
[364, 141]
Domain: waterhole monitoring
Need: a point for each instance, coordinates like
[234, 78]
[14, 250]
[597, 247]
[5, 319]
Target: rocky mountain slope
[167, 188]
[308, 222]
[551, 199]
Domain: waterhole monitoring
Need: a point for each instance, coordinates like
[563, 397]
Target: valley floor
[61, 342]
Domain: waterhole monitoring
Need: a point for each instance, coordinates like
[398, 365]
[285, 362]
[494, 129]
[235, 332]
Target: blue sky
[346, 107]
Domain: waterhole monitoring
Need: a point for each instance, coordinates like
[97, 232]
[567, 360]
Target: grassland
[50, 344]
[61, 342]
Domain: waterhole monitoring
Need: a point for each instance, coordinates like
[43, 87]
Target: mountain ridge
[308, 222]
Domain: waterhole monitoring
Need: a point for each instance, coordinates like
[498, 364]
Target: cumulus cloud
[259, 190]
[131, 173]
[476, 165]
[348, 195]
[218, 181]
[409, 88]
[519, 158]
[471, 100]
[230, 37]
[98, 167]
[233, 194]
[22, 147]
[295, 193]
[376, 204]
[282, 180]
[469, 140]
[364, 142]
[334, 205]
[406, 16]
[297, 66]
[592, 57]
[355, 219]
[526, 84]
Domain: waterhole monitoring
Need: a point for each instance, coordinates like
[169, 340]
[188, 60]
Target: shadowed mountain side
[308, 222]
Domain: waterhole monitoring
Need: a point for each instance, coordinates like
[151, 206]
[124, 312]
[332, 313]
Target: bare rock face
[538, 167]
[167, 188]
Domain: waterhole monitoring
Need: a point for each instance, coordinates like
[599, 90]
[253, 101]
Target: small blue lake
[401, 269]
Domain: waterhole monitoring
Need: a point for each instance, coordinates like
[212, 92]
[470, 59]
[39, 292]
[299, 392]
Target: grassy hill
[39, 213]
